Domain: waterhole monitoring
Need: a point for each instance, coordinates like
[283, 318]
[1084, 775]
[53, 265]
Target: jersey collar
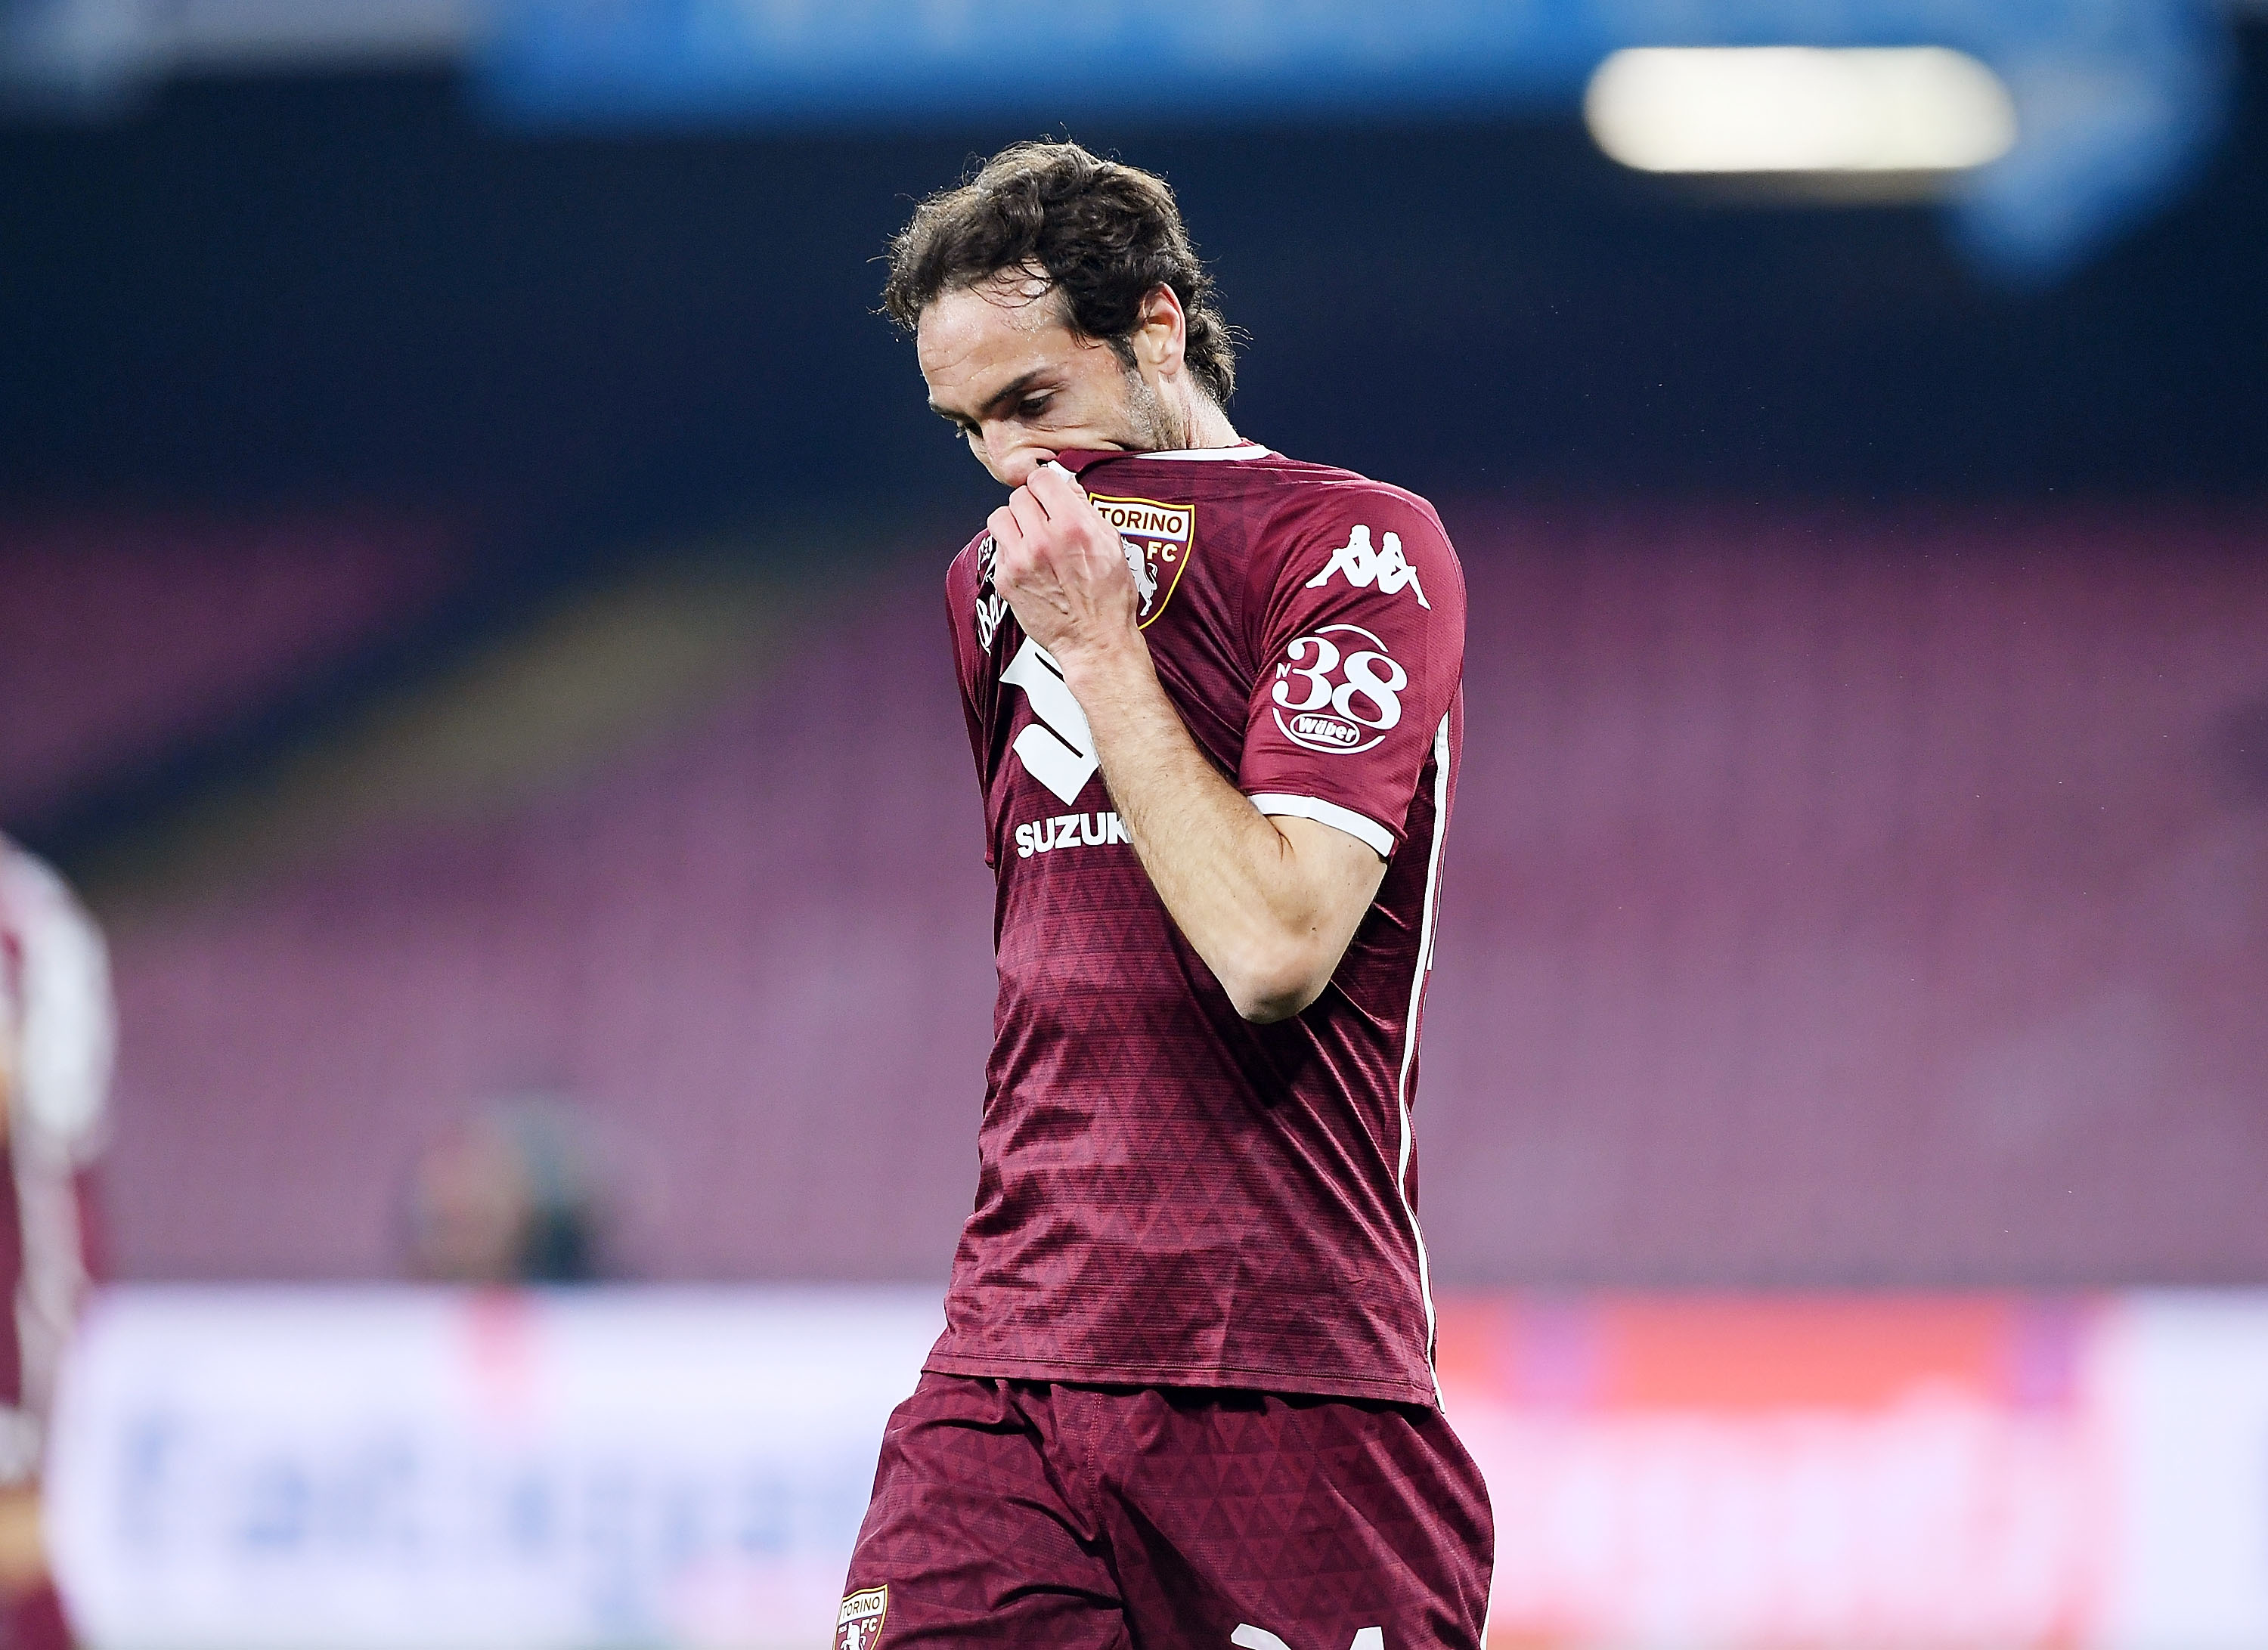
[1077, 461]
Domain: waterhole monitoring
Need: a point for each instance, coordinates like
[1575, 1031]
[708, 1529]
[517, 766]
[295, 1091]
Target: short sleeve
[1362, 650]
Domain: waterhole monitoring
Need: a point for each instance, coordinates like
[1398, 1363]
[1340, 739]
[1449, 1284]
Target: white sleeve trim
[1370, 834]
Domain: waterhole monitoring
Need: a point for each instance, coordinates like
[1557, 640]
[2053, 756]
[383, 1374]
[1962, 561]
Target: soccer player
[1184, 1395]
[57, 1035]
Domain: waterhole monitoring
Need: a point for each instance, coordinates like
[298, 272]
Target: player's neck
[1201, 424]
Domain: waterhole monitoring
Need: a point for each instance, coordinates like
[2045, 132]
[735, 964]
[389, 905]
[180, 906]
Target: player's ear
[1161, 336]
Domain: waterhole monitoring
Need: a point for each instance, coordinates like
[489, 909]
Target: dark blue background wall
[292, 287]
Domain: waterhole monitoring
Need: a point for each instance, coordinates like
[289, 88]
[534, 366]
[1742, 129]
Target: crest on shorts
[1159, 540]
[858, 1624]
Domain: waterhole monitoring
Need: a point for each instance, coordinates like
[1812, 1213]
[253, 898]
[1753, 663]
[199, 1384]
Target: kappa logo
[1387, 568]
[1058, 748]
[1159, 539]
[858, 1624]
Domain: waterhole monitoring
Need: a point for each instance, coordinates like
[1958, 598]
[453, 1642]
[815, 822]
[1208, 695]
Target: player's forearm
[1230, 878]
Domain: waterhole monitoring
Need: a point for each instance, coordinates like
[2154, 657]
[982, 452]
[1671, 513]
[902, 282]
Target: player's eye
[1034, 406]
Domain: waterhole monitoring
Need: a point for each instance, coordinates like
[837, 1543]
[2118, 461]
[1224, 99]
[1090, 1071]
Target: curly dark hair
[1106, 235]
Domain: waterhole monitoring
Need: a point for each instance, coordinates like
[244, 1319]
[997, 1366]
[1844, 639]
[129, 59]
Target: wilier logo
[858, 1624]
[1159, 540]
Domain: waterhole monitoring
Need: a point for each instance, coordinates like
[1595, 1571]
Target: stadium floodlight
[1798, 109]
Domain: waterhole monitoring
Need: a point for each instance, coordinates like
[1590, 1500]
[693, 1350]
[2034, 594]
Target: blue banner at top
[2116, 99]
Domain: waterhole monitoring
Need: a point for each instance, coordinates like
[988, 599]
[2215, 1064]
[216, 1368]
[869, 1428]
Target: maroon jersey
[1168, 1195]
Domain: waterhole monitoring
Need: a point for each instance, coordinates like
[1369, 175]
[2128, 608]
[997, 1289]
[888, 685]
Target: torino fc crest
[1158, 539]
[858, 1624]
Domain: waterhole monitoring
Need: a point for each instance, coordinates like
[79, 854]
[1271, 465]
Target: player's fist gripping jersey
[1169, 1195]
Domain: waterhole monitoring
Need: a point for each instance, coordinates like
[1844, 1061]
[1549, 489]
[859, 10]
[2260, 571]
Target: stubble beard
[1154, 426]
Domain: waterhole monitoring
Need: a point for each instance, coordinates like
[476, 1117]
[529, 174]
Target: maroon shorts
[1080, 1518]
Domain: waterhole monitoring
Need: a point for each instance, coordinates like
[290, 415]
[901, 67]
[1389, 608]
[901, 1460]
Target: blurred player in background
[1185, 1393]
[56, 1038]
[509, 1196]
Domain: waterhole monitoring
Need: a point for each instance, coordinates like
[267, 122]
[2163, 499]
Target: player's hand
[1062, 569]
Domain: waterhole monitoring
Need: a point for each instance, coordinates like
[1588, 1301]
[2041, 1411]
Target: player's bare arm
[1268, 903]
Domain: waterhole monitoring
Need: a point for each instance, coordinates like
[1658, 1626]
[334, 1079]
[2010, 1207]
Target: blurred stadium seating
[1834, 898]
[127, 635]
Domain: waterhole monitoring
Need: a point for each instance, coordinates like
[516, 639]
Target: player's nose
[1011, 460]
[999, 454]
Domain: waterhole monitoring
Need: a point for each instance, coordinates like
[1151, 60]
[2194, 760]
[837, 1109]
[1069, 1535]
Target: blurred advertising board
[379, 1470]
[368, 1470]
[1982, 1471]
